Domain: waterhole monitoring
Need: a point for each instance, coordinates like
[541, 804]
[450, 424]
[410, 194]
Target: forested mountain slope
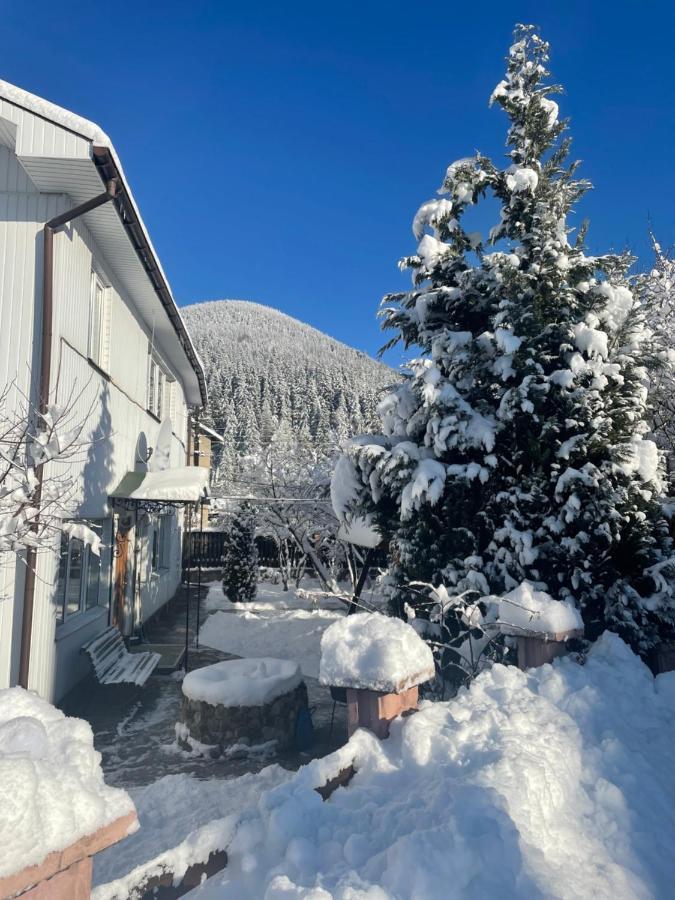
[264, 368]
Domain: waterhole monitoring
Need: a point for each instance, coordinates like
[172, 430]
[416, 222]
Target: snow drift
[555, 782]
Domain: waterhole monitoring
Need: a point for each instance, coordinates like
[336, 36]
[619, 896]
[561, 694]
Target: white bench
[112, 662]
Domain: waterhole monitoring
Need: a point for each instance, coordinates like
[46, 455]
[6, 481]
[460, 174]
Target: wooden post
[664, 659]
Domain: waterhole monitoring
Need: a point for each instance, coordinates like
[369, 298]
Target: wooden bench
[112, 662]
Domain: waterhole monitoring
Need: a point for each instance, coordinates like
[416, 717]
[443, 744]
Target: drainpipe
[43, 398]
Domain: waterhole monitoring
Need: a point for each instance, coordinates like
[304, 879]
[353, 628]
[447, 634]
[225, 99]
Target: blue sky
[279, 150]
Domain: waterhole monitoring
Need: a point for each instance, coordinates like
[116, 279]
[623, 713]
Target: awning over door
[188, 484]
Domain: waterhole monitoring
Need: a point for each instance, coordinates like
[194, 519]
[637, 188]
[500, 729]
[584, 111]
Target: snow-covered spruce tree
[656, 290]
[240, 556]
[515, 449]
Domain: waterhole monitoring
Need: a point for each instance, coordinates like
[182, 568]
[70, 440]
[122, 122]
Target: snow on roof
[242, 682]
[90, 131]
[211, 432]
[186, 484]
[52, 792]
[57, 114]
[380, 653]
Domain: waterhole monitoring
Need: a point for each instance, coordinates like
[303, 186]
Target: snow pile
[525, 610]
[556, 782]
[242, 682]
[182, 820]
[52, 791]
[369, 650]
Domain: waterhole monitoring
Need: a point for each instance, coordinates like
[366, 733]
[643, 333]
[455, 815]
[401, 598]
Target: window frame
[159, 383]
[164, 539]
[97, 343]
[88, 561]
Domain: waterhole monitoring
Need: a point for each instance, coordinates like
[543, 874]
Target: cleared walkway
[134, 728]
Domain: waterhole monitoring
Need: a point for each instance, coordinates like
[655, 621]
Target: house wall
[110, 405]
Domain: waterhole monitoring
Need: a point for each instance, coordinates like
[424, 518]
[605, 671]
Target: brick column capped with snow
[57, 812]
[541, 624]
[380, 661]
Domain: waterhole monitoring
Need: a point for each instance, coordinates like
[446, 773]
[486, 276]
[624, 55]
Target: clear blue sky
[279, 150]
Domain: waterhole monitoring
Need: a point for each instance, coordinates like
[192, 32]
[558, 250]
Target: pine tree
[240, 556]
[516, 447]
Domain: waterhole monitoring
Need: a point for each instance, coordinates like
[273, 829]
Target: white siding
[35, 135]
[112, 407]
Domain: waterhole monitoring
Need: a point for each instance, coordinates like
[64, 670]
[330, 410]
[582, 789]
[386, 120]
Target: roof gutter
[44, 388]
[107, 169]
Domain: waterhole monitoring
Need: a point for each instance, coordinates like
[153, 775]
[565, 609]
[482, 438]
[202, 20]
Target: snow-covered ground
[277, 624]
[557, 782]
[183, 819]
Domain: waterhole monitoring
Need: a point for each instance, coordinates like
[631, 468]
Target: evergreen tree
[240, 556]
[516, 447]
[656, 290]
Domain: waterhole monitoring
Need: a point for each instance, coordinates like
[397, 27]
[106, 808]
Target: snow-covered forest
[265, 369]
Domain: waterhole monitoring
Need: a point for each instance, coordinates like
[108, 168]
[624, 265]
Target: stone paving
[134, 728]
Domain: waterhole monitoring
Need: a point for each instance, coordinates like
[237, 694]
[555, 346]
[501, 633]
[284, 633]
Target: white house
[119, 347]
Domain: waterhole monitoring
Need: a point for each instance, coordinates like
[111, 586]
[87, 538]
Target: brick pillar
[374, 710]
[66, 874]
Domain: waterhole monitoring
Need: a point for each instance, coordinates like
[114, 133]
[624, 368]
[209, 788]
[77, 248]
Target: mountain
[265, 369]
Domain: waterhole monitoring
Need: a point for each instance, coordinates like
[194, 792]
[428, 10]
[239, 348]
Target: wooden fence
[207, 547]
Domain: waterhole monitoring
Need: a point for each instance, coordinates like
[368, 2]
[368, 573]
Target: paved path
[134, 727]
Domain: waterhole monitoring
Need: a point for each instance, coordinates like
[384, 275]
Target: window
[155, 549]
[165, 542]
[160, 549]
[79, 584]
[159, 386]
[98, 315]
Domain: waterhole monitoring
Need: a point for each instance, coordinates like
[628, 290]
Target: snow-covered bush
[517, 449]
[240, 556]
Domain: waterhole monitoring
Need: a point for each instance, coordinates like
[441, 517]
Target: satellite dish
[142, 453]
[161, 455]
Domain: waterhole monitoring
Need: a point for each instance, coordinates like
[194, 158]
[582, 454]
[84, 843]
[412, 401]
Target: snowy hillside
[264, 368]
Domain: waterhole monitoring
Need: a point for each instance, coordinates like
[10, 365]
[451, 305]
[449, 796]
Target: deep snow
[52, 791]
[183, 819]
[555, 782]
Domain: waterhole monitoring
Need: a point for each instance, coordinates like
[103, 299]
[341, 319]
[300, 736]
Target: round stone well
[242, 702]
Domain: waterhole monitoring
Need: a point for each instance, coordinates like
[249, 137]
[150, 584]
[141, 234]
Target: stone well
[241, 702]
